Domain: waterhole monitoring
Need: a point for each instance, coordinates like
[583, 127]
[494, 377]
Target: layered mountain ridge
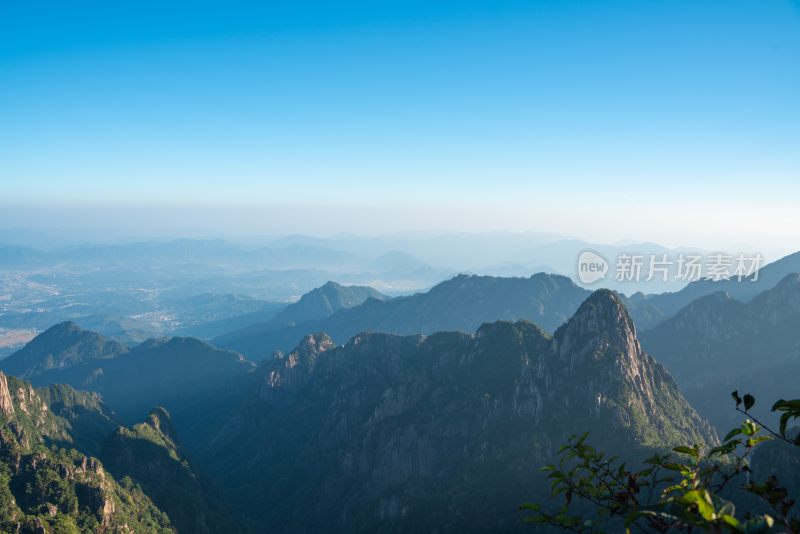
[652, 310]
[718, 344]
[465, 302]
[462, 303]
[440, 432]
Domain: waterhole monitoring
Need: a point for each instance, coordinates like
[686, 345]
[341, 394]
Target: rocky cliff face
[51, 479]
[45, 489]
[294, 369]
[605, 361]
[148, 454]
[6, 404]
[441, 432]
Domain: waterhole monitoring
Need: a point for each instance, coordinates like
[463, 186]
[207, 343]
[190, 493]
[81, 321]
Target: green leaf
[785, 406]
[732, 433]
[683, 469]
[736, 398]
[784, 421]
[726, 448]
[691, 451]
[749, 401]
[752, 442]
[731, 521]
[702, 500]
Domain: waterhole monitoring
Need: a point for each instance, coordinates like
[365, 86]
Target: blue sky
[423, 115]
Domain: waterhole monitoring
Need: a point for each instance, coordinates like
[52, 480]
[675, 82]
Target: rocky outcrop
[602, 351]
[293, 369]
[148, 454]
[6, 404]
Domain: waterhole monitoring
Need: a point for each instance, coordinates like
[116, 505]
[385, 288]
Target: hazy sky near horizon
[674, 121]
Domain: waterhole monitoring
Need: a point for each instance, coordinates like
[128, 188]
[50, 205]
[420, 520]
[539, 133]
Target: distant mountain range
[655, 308]
[718, 344]
[312, 308]
[203, 288]
[218, 253]
[462, 303]
[391, 259]
[209, 288]
[210, 252]
[21, 257]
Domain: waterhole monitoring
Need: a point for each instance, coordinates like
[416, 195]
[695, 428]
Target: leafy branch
[676, 492]
[789, 410]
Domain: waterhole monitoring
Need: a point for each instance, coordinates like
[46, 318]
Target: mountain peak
[323, 302]
[66, 327]
[60, 346]
[779, 303]
[603, 314]
[601, 340]
[294, 368]
[161, 421]
[6, 404]
[789, 281]
[312, 346]
[600, 348]
[604, 298]
[330, 284]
